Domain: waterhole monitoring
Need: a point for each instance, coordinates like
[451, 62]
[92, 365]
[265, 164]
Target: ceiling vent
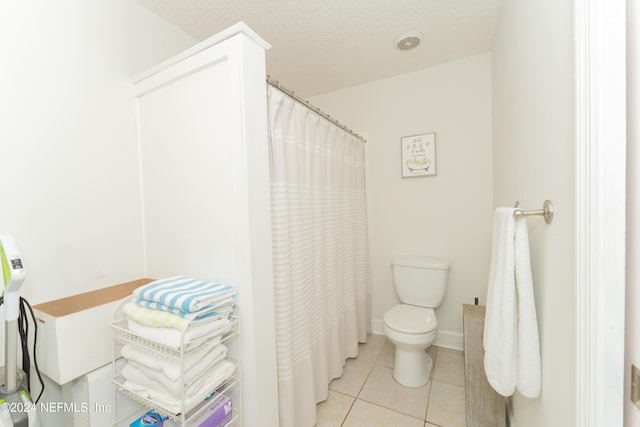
[407, 41]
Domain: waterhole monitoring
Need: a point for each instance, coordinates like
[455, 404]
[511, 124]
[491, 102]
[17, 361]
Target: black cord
[23, 330]
[26, 361]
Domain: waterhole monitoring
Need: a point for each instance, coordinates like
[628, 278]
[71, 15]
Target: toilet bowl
[420, 283]
[411, 329]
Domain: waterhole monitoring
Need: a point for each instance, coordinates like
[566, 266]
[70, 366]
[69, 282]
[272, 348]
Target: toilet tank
[420, 281]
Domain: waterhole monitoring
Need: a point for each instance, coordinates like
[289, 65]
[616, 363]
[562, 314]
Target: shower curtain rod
[292, 94]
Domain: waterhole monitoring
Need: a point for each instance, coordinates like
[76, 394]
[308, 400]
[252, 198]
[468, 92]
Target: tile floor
[367, 395]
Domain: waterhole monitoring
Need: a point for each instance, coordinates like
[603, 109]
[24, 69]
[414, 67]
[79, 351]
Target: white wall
[68, 150]
[68, 142]
[533, 122]
[632, 413]
[449, 215]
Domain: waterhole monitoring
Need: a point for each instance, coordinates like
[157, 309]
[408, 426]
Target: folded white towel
[164, 319]
[173, 338]
[172, 369]
[149, 389]
[131, 372]
[184, 293]
[511, 343]
[192, 377]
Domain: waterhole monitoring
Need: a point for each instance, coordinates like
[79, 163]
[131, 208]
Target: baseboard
[451, 340]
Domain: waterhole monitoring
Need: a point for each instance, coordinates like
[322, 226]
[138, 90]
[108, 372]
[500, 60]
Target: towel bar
[546, 211]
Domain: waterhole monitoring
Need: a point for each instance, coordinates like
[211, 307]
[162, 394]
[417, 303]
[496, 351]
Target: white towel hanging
[512, 355]
[529, 374]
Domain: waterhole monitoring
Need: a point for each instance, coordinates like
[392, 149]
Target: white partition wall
[205, 190]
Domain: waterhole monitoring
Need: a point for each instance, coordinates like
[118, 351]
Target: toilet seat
[410, 319]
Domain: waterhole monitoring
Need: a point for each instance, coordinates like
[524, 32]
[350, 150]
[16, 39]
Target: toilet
[421, 284]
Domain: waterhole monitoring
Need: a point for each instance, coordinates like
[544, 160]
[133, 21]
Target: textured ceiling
[324, 45]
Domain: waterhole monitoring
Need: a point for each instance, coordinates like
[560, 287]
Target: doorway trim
[600, 70]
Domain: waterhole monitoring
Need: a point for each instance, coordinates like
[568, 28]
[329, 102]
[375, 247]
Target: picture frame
[418, 155]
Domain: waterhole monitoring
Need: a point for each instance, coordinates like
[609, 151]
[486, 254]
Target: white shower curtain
[322, 279]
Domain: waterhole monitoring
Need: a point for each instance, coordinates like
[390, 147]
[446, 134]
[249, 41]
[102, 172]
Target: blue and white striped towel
[184, 293]
[222, 307]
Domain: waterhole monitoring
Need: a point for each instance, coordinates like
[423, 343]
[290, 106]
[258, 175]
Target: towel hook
[546, 211]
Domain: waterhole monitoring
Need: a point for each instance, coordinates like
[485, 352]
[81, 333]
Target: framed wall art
[418, 155]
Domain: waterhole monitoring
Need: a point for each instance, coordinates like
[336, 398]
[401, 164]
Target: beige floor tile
[355, 374]
[446, 405]
[387, 355]
[383, 390]
[383, 402]
[370, 351]
[332, 412]
[364, 414]
[449, 367]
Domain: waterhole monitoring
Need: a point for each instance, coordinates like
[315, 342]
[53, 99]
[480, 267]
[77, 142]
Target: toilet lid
[409, 319]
